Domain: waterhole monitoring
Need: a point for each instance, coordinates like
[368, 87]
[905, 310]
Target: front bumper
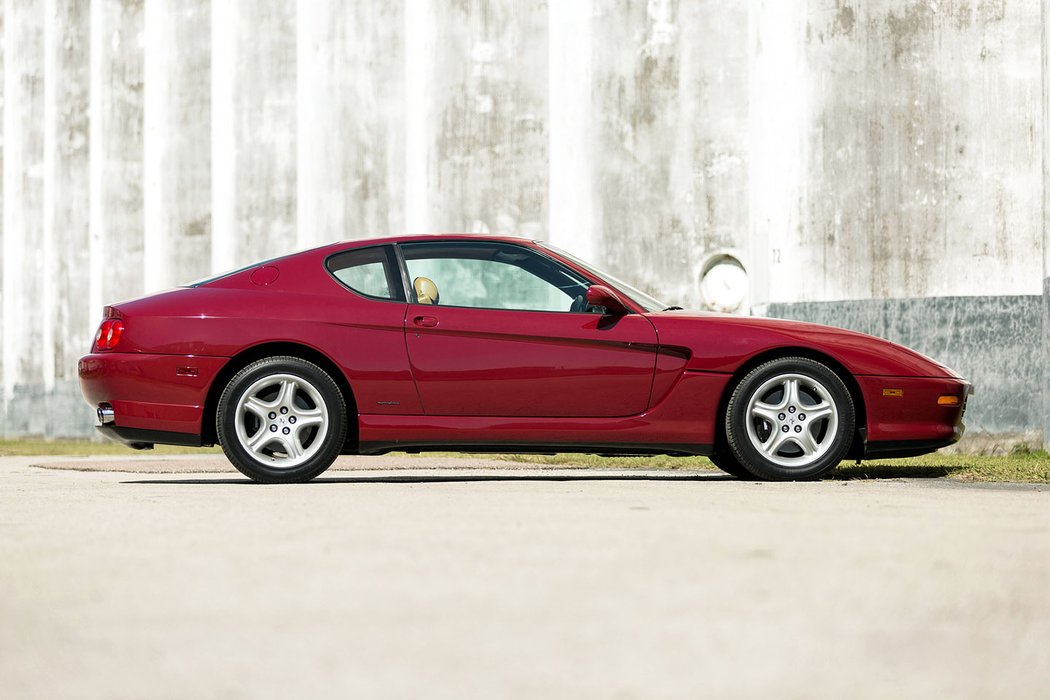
[904, 418]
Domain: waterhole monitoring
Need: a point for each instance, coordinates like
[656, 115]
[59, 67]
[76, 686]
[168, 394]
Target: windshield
[650, 304]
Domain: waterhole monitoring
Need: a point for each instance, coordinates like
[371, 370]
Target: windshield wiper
[673, 308]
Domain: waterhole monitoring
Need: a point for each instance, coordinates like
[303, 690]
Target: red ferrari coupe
[480, 343]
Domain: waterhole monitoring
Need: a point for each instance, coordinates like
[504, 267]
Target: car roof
[387, 240]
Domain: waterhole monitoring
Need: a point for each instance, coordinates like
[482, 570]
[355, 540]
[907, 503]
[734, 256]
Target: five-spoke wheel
[281, 419]
[790, 418]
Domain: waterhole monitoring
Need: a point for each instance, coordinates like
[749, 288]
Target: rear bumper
[139, 439]
[162, 394]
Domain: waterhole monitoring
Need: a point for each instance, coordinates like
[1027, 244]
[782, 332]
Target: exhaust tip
[105, 415]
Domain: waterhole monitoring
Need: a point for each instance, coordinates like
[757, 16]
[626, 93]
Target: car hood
[723, 342]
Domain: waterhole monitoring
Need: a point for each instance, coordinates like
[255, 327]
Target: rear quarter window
[368, 272]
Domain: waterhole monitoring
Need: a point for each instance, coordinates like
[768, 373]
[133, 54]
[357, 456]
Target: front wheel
[790, 419]
[281, 420]
[727, 463]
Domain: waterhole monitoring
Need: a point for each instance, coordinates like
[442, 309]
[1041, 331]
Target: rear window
[370, 272]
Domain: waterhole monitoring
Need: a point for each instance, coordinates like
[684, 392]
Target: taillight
[109, 334]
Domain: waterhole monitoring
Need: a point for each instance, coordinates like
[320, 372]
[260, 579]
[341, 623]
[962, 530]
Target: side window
[371, 272]
[492, 276]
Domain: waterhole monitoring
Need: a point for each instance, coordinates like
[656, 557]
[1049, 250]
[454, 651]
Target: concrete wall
[860, 161]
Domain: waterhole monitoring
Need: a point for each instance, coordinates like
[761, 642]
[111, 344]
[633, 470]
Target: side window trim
[402, 271]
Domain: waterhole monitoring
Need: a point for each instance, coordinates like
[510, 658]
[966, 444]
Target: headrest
[426, 290]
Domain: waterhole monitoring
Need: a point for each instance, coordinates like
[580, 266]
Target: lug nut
[785, 428]
[781, 416]
[802, 416]
[791, 409]
[798, 428]
[291, 419]
[273, 428]
[286, 430]
[284, 409]
[272, 415]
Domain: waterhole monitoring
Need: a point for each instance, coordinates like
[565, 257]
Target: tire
[730, 466]
[281, 420]
[790, 419]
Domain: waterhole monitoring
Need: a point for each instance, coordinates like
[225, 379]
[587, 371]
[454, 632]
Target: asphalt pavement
[407, 578]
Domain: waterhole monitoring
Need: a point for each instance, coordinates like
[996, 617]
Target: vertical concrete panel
[223, 132]
[116, 249]
[572, 218]
[350, 174]
[23, 202]
[66, 186]
[923, 157]
[1044, 385]
[777, 99]
[671, 99]
[418, 88]
[3, 382]
[177, 144]
[254, 135]
[487, 169]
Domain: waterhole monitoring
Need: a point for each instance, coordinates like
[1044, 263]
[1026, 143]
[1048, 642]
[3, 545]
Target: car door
[498, 329]
[366, 330]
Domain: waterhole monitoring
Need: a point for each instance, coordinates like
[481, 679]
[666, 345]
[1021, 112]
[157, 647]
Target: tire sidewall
[736, 419]
[226, 418]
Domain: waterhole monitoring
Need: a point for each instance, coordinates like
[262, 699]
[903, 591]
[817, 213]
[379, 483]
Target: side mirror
[600, 295]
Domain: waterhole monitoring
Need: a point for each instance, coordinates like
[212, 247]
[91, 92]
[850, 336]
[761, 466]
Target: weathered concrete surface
[177, 158]
[921, 147]
[23, 211]
[839, 150]
[671, 120]
[487, 99]
[66, 188]
[350, 138]
[253, 141]
[116, 271]
[994, 342]
[458, 583]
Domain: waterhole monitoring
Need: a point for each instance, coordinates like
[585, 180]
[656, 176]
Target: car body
[483, 343]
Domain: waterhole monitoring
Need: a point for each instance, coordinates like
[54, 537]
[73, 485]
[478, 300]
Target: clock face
[724, 285]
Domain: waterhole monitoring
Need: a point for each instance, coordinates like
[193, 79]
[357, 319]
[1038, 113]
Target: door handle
[425, 321]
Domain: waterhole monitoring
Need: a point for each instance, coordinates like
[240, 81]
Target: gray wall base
[59, 413]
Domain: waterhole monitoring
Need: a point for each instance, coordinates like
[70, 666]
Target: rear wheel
[281, 420]
[790, 419]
